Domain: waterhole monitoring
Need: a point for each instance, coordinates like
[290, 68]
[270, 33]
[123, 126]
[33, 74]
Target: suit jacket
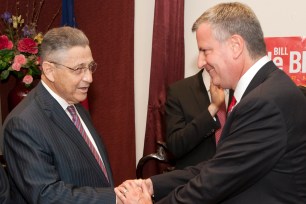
[4, 186]
[48, 160]
[261, 157]
[189, 126]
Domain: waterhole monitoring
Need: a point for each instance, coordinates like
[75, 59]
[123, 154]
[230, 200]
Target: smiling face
[71, 86]
[217, 57]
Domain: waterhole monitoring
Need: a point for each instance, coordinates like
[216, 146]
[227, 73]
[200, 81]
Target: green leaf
[3, 65]
[18, 74]
[6, 52]
[4, 74]
[36, 71]
[6, 56]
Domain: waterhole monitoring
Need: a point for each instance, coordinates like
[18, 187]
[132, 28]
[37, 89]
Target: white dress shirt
[245, 80]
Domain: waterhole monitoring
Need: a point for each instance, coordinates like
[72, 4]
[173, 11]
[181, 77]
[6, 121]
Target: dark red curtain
[167, 66]
[109, 25]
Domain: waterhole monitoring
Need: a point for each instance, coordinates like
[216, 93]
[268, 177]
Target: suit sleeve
[256, 139]
[4, 186]
[40, 181]
[183, 136]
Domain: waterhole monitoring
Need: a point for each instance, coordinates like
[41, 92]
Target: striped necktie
[77, 122]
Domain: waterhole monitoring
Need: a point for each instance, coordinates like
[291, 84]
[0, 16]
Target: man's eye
[206, 52]
[78, 69]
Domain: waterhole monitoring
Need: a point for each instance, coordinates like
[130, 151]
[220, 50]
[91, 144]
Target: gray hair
[61, 38]
[227, 19]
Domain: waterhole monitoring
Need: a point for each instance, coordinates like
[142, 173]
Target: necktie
[222, 117]
[77, 122]
[232, 104]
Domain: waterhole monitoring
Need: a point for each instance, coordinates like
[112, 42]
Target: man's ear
[237, 45]
[48, 70]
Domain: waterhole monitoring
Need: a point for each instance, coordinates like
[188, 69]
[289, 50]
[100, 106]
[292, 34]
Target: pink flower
[16, 66]
[27, 79]
[5, 43]
[28, 45]
[20, 59]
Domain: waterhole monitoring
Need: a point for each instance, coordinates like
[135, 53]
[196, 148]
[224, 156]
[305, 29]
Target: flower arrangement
[19, 46]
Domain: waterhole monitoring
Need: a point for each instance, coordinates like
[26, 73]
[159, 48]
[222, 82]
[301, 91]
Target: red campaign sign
[289, 54]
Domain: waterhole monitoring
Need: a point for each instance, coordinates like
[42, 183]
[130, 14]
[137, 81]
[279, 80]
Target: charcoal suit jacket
[189, 126]
[261, 156]
[4, 186]
[48, 160]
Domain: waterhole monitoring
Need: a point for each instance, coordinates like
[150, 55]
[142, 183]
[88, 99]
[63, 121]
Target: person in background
[261, 156]
[191, 108]
[52, 150]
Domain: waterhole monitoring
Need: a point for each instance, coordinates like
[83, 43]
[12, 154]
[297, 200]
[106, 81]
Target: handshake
[135, 191]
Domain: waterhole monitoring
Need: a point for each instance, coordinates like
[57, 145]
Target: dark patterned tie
[222, 117]
[78, 124]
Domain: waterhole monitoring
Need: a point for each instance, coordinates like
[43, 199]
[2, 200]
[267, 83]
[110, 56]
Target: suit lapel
[258, 79]
[56, 113]
[260, 76]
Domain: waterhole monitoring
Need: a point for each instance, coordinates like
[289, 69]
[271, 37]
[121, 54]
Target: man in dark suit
[261, 156]
[191, 119]
[54, 155]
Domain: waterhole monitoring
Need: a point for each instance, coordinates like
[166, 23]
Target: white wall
[278, 18]
[144, 11]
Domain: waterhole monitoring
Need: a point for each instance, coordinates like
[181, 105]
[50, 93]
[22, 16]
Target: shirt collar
[59, 99]
[248, 76]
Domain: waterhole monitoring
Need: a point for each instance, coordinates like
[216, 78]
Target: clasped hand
[217, 99]
[135, 191]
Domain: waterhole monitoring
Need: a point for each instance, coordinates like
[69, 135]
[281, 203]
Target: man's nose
[201, 61]
[87, 76]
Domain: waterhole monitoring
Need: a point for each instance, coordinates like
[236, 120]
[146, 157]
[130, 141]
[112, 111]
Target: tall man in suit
[191, 109]
[261, 156]
[53, 155]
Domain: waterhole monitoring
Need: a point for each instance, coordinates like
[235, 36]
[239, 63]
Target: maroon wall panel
[109, 26]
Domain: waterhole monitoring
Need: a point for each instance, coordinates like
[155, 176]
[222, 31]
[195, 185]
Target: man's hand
[217, 99]
[135, 191]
